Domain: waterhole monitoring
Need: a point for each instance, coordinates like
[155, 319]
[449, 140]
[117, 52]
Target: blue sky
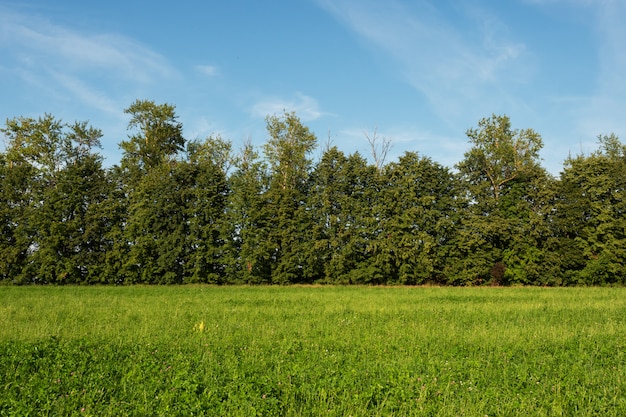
[418, 72]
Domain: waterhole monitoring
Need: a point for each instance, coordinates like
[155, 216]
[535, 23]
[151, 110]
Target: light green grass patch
[298, 351]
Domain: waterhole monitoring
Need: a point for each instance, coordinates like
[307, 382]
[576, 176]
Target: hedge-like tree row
[178, 211]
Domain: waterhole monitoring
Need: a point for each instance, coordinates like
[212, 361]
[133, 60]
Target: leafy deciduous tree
[497, 171]
[159, 137]
[54, 183]
[591, 209]
[248, 220]
[287, 150]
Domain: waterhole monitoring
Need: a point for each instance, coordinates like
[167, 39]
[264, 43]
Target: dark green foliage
[172, 233]
[53, 184]
[287, 151]
[15, 203]
[247, 221]
[591, 209]
[173, 228]
[70, 228]
[177, 211]
[503, 230]
[327, 202]
[341, 209]
[418, 219]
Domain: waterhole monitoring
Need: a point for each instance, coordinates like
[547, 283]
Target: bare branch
[379, 148]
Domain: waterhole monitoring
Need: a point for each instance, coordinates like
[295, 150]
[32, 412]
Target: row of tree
[179, 211]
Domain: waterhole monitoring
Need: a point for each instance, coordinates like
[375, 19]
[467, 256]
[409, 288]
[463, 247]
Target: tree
[498, 172]
[287, 150]
[174, 225]
[419, 208]
[204, 201]
[345, 199]
[173, 230]
[324, 204]
[214, 150]
[40, 143]
[158, 137]
[589, 219]
[343, 218]
[16, 200]
[499, 155]
[161, 225]
[70, 229]
[54, 185]
[156, 229]
[530, 257]
[248, 220]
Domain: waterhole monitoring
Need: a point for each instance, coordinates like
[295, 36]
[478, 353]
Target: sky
[418, 73]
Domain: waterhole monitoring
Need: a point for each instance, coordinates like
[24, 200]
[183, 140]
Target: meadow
[312, 351]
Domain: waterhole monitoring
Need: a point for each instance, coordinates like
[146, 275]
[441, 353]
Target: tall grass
[299, 351]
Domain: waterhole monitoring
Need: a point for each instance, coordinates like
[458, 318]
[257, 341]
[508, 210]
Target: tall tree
[16, 201]
[173, 231]
[350, 191]
[157, 138]
[204, 202]
[498, 156]
[590, 215]
[325, 201]
[154, 231]
[56, 182]
[287, 151]
[173, 225]
[418, 223]
[497, 172]
[528, 210]
[340, 209]
[248, 220]
[71, 231]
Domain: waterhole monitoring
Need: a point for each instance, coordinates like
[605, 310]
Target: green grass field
[312, 351]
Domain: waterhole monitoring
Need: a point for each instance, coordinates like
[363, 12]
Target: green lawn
[316, 351]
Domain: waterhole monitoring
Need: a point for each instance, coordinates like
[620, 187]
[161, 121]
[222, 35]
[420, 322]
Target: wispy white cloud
[468, 63]
[457, 74]
[43, 53]
[42, 43]
[87, 94]
[306, 107]
[602, 112]
[208, 70]
[610, 25]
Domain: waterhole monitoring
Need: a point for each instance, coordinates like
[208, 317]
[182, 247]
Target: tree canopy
[177, 211]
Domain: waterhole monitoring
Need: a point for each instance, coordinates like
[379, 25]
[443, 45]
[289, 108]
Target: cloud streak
[208, 70]
[455, 74]
[467, 63]
[76, 62]
[602, 111]
[39, 41]
[307, 108]
[86, 94]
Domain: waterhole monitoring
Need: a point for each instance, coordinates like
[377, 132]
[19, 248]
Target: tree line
[179, 211]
